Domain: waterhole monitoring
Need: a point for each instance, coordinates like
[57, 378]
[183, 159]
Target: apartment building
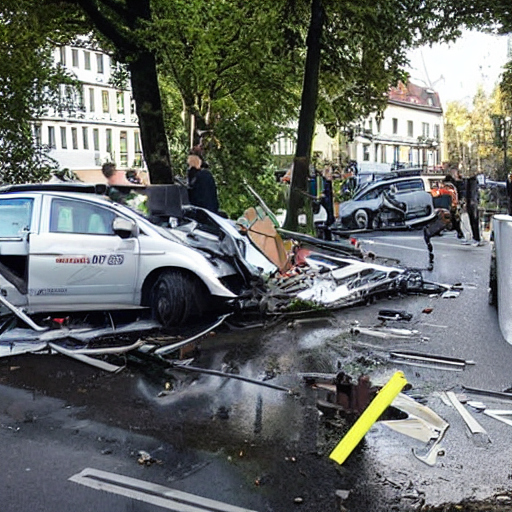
[409, 133]
[94, 124]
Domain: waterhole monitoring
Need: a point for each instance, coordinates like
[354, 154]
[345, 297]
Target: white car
[66, 251]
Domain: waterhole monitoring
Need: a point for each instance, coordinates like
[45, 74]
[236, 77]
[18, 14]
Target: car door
[19, 217]
[76, 261]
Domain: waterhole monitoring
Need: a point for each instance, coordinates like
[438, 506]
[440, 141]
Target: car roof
[86, 188]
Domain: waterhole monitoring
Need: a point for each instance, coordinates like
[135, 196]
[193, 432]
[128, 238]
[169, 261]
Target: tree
[29, 85]
[122, 23]
[228, 72]
[363, 49]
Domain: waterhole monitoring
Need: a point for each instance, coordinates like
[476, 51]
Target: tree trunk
[146, 94]
[298, 187]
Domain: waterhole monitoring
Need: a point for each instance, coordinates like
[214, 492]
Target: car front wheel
[361, 219]
[176, 297]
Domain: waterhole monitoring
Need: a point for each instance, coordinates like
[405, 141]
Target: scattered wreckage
[66, 248]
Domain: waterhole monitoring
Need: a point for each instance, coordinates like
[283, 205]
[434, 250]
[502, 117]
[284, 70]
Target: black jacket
[202, 190]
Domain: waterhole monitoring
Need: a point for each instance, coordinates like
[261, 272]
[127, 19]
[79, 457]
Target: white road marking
[148, 492]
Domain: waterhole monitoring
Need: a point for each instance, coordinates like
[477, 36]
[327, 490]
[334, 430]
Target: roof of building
[414, 95]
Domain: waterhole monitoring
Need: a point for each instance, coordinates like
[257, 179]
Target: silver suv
[395, 201]
[68, 251]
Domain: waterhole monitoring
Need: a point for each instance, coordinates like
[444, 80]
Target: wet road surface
[259, 448]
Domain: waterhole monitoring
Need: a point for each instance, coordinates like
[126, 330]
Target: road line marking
[148, 492]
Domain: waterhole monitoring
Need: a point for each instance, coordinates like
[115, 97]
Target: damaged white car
[62, 250]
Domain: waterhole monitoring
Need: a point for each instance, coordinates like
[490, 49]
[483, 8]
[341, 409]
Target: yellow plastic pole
[370, 415]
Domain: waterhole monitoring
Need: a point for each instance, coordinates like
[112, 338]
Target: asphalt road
[259, 448]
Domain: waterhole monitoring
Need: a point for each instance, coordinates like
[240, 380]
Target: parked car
[62, 250]
[393, 201]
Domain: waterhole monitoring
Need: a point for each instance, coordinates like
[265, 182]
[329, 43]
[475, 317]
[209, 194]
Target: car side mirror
[125, 228]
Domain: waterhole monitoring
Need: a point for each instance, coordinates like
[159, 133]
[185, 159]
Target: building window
[123, 149]
[410, 131]
[62, 53]
[120, 102]
[85, 137]
[91, 99]
[108, 140]
[425, 129]
[87, 60]
[366, 152]
[395, 125]
[74, 58]
[74, 138]
[377, 122]
[437, 131]
[370, 126]
[51, 137]
[104, 102]
[96, 139]
[99, 62]
[37, 135]
[63, 139]
[138, 151]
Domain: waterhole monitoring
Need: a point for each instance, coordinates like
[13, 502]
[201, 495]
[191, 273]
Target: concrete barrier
[502, 225]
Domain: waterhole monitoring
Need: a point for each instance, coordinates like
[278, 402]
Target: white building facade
[410, 133]
[96, 123]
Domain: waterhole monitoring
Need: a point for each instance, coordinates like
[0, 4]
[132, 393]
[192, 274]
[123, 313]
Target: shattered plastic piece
[479, 406]
[372, 413]
[102, 365]
[500, 415]
[422, 424]
[450, 294]
[473, 425]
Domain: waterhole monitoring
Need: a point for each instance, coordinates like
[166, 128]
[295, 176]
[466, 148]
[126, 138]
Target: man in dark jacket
[202, 190]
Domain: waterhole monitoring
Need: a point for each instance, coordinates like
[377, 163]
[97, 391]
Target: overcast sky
[456, 70]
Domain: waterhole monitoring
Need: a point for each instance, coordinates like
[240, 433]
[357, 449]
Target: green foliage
[29, 85]
[240, 150]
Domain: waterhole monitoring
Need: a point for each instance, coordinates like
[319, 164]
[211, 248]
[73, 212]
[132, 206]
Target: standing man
[202, 190]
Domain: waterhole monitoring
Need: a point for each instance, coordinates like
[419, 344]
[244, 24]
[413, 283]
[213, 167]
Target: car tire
[361, 219]
[176, 297]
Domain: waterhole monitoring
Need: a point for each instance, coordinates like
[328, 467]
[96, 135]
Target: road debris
[392, 314]
[502, 415]
[339, 393]
[478, 432]
[371, 414]
[486, 392]
[422, 424]
[430, 361]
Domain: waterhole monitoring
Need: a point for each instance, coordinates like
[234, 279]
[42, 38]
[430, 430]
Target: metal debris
[486, 392]
[392, 314]
[341, 394]
[430, 361]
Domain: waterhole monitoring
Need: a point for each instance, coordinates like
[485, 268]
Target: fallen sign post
[371, 414]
